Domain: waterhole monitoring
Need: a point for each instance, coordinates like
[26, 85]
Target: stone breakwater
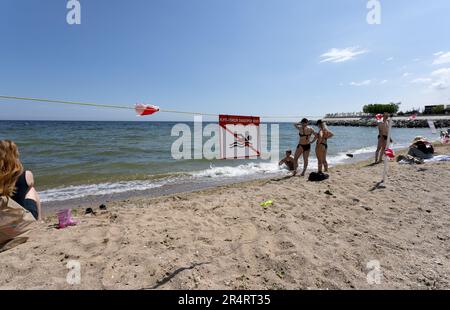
[398, 123]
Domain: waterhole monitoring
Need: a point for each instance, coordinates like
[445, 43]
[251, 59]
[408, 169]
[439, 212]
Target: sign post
[388, 144]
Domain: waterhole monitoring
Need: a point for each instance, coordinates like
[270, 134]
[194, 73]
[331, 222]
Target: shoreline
[189, 185]
[51, 207]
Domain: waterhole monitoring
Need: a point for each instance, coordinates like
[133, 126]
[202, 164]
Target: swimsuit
[305, 147]
[324, 142]
[384, 137]
[22, 189]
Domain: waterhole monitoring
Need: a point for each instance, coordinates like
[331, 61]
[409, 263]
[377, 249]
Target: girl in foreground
[15, 182]
[322, 146]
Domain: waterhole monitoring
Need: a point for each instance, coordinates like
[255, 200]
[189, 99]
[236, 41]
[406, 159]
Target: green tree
[377, 108]
[438, 109]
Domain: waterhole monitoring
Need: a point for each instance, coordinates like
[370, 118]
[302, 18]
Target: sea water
[79, 159]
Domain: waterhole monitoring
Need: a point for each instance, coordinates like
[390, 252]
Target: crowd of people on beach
[306, 132]
[419, 149]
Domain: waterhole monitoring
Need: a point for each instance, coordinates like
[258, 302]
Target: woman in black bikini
[304, 146]
[322, 146]
[15, 182]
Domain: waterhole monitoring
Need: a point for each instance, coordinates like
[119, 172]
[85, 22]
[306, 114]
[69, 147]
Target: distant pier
[440, 121]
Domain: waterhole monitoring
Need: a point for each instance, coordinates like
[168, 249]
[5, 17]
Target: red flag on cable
[144, 109]
[389, 153]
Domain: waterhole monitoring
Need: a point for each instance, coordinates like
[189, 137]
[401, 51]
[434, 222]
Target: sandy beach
[314, 236]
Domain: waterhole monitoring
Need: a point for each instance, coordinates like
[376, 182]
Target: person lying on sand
[304, 146]
[322, 145]
[16, 182]
[383, 132]
[421, 148]
[288, 161]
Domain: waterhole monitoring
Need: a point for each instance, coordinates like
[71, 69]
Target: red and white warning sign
[239, 137]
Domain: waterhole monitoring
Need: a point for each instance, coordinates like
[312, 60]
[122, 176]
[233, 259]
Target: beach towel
[438, 158]
[14, 220]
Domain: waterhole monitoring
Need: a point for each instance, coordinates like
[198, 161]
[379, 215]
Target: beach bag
[317, 176]
[426, 148]
[14, 220]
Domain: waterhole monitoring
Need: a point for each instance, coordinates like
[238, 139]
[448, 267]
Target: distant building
[347, 115]
[430, 109]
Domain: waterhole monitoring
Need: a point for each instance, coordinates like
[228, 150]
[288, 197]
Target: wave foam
[79, 191]
[238, 171]
[244, 170]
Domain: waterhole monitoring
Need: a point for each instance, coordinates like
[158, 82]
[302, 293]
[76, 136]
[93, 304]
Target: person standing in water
[383, 132]
[304, 145]
[322, 146]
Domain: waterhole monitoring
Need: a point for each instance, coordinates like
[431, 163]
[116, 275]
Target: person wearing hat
[421, 148]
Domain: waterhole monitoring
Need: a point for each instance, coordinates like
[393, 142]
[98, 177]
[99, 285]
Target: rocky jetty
[398, 123]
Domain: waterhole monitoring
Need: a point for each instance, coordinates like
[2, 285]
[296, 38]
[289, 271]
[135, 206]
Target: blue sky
[249, 57]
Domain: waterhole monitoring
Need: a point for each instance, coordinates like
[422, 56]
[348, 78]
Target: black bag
[427, 148]
[317, 176]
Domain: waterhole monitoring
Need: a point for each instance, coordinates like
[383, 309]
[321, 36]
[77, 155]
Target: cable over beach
[124, 107]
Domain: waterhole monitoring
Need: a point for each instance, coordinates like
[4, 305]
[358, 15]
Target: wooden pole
[388, 144]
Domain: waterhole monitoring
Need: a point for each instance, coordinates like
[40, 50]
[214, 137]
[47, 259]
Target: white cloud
[436, 80]
[362, 83]
[341, 55]
[416, 59]
[422, 81]
[406, 74]
[390, 59]
[441, 79]
[441, 72]
[438, 53]
[384, 81]
[442, 58]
